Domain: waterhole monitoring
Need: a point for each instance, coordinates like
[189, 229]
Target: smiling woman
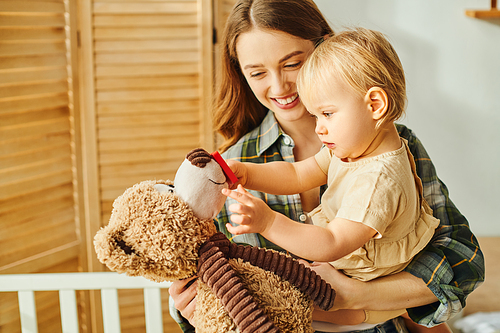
[262, 118]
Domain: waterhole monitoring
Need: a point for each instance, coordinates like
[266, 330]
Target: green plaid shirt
[452, 264]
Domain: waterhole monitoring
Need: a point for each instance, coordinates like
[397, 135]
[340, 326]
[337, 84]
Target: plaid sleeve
[175, 314]
[452, 264]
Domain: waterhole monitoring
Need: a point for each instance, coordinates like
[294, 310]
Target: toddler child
[373, 218]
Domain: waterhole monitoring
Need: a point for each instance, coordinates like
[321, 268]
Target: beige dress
[385, 193]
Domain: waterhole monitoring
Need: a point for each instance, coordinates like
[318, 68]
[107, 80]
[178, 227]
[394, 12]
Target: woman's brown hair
[236, 109]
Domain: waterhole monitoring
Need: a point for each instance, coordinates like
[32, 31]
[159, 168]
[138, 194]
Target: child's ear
[377, 102]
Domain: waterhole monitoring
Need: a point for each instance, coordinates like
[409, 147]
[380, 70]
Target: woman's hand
[251, 214]
[183, 293]
[347, 290]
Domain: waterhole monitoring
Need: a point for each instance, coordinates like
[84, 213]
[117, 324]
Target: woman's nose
[280, 84]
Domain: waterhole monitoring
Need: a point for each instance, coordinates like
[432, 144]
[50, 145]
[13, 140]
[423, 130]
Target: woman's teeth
[288, 100]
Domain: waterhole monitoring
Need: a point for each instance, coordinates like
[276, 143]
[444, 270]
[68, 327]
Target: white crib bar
[152, 307]
[27, 311]
[110, 310]
[68, 283]
[69, 311]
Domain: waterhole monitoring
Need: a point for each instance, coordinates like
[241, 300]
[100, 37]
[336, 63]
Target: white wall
[452, 63]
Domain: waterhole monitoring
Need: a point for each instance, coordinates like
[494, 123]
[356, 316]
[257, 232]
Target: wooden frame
[492, 14]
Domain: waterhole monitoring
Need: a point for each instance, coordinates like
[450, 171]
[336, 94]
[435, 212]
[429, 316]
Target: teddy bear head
[156, 227]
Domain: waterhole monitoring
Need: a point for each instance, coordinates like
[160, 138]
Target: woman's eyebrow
[288, 56]
[285, 58]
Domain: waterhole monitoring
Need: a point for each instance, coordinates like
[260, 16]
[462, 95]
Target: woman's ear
[377, 102]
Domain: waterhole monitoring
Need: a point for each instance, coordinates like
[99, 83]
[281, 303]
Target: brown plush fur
[161, 230]
[290, 309]
[157, 236]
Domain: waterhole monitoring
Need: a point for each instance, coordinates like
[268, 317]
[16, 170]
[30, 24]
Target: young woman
[259, 113]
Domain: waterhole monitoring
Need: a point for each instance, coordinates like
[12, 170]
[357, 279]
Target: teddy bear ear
[163, 188]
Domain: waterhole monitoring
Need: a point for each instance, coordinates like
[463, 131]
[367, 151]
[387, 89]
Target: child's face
[344, 120]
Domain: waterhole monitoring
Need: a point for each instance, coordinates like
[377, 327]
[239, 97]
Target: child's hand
[252, 214]
[240, 171]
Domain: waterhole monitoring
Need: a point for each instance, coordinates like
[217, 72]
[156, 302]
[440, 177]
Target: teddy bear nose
[122, 245]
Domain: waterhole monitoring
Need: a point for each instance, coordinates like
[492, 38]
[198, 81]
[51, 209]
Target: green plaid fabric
[452, 265]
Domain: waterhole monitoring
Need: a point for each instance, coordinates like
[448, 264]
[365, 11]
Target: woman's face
[270, 61]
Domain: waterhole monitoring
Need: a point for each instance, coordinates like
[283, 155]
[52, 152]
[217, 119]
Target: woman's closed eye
[256, 74]
[294, 65]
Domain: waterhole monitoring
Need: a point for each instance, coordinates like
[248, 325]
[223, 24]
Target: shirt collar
[269, 132]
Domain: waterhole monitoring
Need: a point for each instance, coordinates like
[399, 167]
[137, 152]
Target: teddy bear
[165, 231]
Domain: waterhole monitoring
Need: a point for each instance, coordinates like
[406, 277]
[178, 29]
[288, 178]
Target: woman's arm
[452, 264]
[392, 292]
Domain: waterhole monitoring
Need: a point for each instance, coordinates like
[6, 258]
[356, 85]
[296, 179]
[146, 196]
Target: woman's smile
[287, 102]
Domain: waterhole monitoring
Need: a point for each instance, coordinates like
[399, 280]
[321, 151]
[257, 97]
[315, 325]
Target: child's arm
[311, 242]
[279, 177]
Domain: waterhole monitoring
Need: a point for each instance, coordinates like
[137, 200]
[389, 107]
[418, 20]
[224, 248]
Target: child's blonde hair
[364, 59]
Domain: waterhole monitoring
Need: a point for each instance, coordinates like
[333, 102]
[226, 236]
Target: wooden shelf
[492, 13]
[484, 14]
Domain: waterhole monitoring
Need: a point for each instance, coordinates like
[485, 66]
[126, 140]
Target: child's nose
[320, 129]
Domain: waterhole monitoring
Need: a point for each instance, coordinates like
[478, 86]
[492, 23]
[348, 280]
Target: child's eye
[327, 114]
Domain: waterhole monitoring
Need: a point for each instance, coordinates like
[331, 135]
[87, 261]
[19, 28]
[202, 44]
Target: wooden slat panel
[34, 61]
[52, 155]
[156, 143]
[31, 6]
[33, 75]
[150, 69]
[144, 33]
[21, 118]
[19, 20]
[48, 313]
[179, 7]
[35, 220]
[39, 242]
[34, 171]
[151, 19]
[29, 144]
[149, 45]
[35, 184]
[150, 94]
[170, 131]
[147, 82]
[32, 33]
[36, 103]
[51, 258]
[147, 58]
[43, 88]
[35, 129]
[146, 120]
[38, 236]
[17, 207]
[151, 107]
[31, 48]
[159, 169]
